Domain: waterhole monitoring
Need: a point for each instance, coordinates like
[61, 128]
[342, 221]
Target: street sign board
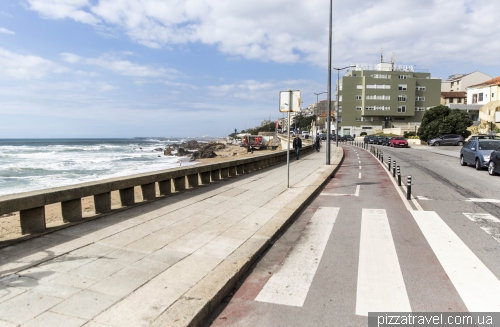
[286, 105]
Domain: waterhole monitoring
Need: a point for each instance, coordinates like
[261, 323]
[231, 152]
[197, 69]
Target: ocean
[35, 164]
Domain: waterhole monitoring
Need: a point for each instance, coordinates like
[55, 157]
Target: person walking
[317, 142]
[297, 144]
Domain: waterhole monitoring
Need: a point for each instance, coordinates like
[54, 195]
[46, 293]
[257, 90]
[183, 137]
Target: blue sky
[124, 68]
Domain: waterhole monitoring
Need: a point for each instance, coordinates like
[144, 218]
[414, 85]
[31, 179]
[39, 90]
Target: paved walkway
[166, 263]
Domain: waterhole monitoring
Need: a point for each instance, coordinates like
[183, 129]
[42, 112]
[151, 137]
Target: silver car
[447, 139]
[477, 152]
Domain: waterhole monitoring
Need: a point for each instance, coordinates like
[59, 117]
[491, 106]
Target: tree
[443, 120]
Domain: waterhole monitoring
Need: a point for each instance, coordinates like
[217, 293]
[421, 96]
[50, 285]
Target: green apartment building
[375, 97]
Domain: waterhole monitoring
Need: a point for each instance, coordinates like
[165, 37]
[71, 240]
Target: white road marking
[482, 200]
[421, 197]
[381, 287]
[356, 193]
[291, 283]
[489, 223]
[479, 216]
[475, 283]
[359, 167]
[359, 176]
[359, 161]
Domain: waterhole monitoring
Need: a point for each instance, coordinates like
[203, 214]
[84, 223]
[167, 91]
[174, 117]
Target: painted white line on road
[482, 200]
[359, 176]
[359, 161]
[421, 197]
[359, 167]
[475, 283]
[489, 223]
[291, 283]
[381, 287]
[479, 216]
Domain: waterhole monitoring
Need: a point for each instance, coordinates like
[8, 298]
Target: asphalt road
[361, 247]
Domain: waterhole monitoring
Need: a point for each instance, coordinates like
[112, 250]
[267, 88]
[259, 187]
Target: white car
[305, 134]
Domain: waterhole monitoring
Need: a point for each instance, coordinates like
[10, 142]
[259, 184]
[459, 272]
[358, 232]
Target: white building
[460, 82]
[484, 92]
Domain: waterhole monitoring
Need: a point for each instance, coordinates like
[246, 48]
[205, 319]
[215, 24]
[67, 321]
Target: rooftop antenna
[381, 56]
[392, 60]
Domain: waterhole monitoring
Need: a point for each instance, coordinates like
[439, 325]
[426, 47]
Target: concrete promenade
[165, 263]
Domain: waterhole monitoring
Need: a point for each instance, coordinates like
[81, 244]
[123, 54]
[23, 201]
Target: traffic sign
[289, 101]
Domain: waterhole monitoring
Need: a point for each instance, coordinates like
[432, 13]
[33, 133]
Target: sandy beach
[10, 227]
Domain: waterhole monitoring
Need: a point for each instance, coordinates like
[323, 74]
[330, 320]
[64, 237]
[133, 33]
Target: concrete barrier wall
[31, 205]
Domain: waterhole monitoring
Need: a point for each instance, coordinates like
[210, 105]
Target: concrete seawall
[31, 205]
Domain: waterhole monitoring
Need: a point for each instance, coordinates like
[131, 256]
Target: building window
[480, 96]
[359, 108]
[402, 87]
[420, 88]
[452, 84]
[419, 98]
[370, 108]
[399, 118]
[459, 100]
[359, 87]
[402, 98]
[403, 76]
[401, 108]
[378, 97]
[379, 76]
[340, 108]
[340, 98]
[474, 98]
[359, 97]
[378, 86]
[450, 100]
[458, 82]
[419, 108]
[492, 95]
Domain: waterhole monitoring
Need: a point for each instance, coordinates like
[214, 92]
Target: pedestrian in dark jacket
[317, 142]
[297, 144]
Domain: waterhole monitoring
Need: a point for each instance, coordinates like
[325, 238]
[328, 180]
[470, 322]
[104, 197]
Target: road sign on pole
[289, 102]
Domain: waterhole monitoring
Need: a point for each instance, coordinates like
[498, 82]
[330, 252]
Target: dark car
[399, 142]
[477, 152]
[372, 139]
[386, 141]
[322, 136]
[447, 139]
[382, 140]
[366, 139]
[494, 163]
[348, 138]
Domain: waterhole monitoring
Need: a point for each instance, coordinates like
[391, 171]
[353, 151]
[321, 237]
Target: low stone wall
[31, 205]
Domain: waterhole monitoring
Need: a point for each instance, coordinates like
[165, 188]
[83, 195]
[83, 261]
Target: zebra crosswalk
[381, 286]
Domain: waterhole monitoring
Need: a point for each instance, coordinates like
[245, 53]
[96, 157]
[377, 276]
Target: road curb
[194, 307]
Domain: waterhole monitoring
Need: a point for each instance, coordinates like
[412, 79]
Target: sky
[188, 68]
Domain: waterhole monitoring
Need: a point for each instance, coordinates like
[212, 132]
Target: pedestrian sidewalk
[166, 263]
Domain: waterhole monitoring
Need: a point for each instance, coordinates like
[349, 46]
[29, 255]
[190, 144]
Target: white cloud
[26, 67]
[123, 67]
[290, 31]
[6, 31]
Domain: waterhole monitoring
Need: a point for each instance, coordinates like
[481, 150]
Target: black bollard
[399, 177]
[408, 189]
[394, 168]
[389, 162]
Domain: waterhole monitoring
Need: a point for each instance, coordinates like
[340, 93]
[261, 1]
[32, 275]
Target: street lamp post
[328, 126]
[337, 104]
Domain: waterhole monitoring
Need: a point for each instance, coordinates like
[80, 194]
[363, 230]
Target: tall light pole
[328, 123]
[337, 103]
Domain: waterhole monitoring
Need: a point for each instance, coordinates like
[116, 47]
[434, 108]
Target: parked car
[348, 138]
[447, 139]
[399, 142]
[305, 134]
[477, 152]
[484, 136]
[366, 138]
[383, 140]
[494, 163]
[372, 139]
[322, 136]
